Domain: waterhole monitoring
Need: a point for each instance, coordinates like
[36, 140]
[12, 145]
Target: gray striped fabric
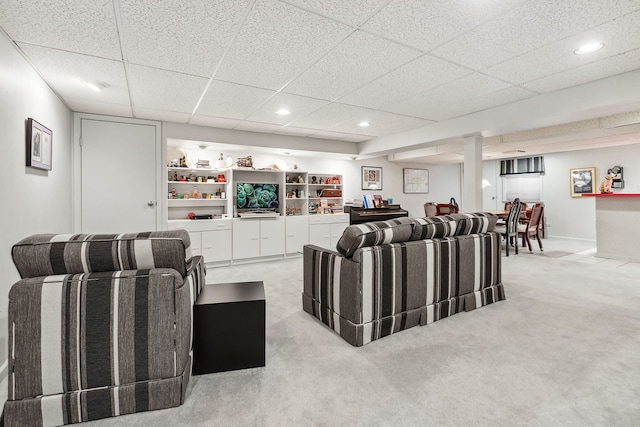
[50, 254]
[373, 233]
[106, 343]
[452, 225]
[387, 288]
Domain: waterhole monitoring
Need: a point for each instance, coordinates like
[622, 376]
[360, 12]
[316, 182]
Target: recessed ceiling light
[363, 124]
[588, 48]
[97, 86]
[283, 112]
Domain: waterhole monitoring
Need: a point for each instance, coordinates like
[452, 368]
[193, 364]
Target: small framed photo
[415, 180]
[582, 181]
[39, 145]
[371, 178]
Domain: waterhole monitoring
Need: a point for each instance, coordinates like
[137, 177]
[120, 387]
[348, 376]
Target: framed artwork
[582, 181]
[371, 178]
[415, 180]
[39, 145]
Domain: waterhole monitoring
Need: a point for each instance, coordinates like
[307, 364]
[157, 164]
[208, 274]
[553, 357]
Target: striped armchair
[100, 325]
[388, 276]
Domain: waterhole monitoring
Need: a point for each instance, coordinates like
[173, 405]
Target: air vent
[522, 165]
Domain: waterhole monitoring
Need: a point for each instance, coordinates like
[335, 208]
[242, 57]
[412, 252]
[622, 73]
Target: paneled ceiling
[399, 65]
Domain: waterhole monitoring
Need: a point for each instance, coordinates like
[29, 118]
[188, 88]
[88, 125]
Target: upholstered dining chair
[510, 229]
[532, 227]
[446, 209]
[430, 209]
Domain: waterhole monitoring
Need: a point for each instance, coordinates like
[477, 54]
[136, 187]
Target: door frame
[76, 177]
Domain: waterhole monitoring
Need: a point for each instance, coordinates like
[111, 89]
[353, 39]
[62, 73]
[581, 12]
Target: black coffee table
[229, 327]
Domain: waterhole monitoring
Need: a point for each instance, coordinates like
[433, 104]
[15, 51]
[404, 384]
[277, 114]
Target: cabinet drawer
[328, 219]
[200, 224]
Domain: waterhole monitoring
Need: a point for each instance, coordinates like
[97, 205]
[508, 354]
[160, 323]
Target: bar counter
[617, 225]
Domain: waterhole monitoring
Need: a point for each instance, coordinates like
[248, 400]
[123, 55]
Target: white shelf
[194, 169]
[322, 198]
[197, 183]
[194, 202]
[324, 185]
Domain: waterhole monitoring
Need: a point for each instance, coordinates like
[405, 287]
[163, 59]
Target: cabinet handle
[151, 203]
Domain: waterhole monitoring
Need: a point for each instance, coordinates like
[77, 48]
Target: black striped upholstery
[389, 287]
[89, 345]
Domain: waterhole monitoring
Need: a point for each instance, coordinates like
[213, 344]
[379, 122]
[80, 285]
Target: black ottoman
[229, 327]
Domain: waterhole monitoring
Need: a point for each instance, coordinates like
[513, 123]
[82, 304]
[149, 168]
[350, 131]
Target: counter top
[612, 195]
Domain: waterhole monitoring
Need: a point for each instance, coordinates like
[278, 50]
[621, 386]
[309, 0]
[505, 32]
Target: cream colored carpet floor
[562, 350]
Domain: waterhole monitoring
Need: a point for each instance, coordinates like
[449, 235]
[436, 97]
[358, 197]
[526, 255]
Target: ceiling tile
[423, 73]
[217, 122]
[258, 127]
[358, 60]
[87, 27]
[299, 106]
[376, 120]
[527, 28]
[352, 12]
[232, 100]
[167, 116]
[164, 90]
[619, 36]
[276, 42]
[189, 37]
[432, 104]
[428, 24]
[98, 107]
[65, 72]
[407, 123]
[592, 71]
[332, 115]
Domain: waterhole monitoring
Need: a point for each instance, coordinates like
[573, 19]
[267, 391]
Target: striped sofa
[388, 276]
[100, 326]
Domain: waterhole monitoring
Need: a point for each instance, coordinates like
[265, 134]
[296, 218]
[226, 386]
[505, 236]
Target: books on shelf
[368, 201]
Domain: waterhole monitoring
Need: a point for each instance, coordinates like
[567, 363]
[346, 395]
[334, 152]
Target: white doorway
[119, 164]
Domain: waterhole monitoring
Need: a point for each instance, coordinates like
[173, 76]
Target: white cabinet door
[246, 238]
[336, 232]
[297, 228]
[272, 236]
[196, 242]
[216, 245]
[118, 202]
[320, 235]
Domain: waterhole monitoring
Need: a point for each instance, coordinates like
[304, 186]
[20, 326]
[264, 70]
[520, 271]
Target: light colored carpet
[562, 350]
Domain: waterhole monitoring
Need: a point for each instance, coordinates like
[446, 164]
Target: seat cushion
[374, 233]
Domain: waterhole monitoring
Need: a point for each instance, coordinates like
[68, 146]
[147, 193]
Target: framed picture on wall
[415, 180]
[371, 178]
[582, 181]
[39, 145]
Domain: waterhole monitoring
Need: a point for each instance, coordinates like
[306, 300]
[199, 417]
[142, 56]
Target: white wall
[32, 200]
[567, 216]
[444, 179]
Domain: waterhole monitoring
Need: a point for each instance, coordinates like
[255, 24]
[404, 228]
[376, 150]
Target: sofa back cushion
[50, 254]
[374, 233]
[437, 227]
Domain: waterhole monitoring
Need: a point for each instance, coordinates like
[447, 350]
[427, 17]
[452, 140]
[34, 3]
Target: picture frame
[415, 181]
[39, 145]
[371, 178]
[582, 181]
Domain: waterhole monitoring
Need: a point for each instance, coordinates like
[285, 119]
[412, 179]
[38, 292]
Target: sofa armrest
[325, 272]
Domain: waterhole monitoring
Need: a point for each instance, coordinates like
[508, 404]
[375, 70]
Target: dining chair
[446, 209]
[532, 227]
[510, 229]
[430, 209]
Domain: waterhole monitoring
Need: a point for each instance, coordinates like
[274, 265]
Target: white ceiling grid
[398, 64]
